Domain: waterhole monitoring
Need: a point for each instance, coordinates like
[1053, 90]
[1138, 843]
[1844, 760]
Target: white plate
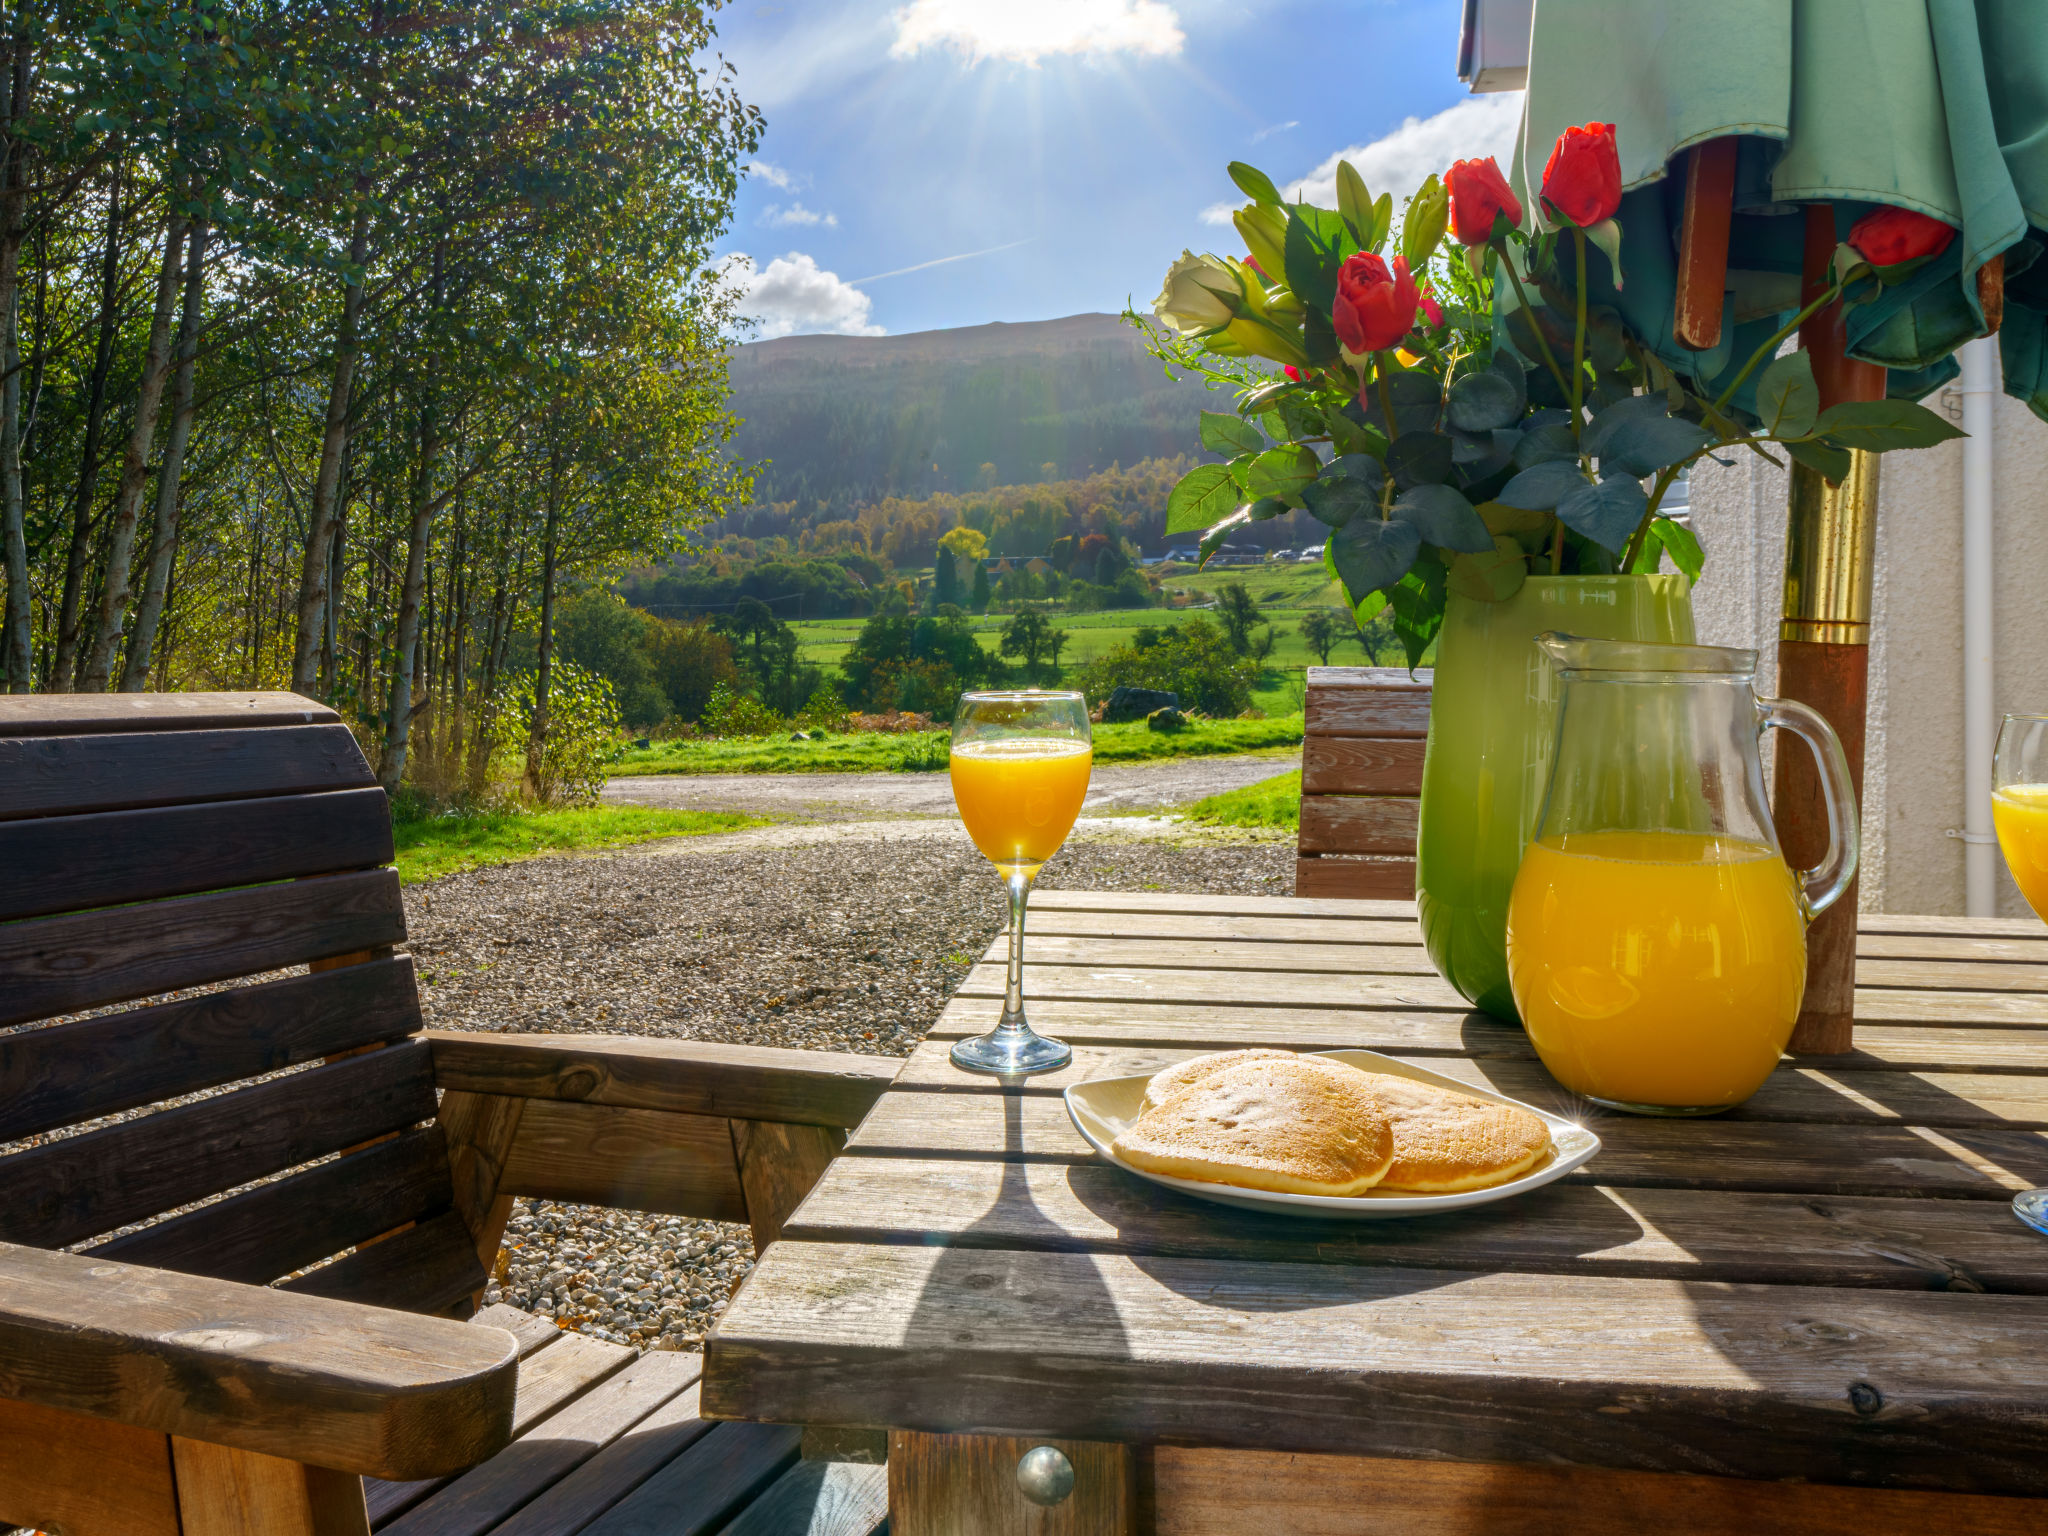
[1102, 1109]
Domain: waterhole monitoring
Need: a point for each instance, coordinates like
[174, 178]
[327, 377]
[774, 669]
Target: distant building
[1187, 552]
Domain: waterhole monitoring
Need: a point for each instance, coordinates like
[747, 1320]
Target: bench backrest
[198, 994]
[1361, 781]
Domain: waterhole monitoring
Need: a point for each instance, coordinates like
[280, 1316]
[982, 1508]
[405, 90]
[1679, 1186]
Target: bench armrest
[328, 1383]
[699, 1077]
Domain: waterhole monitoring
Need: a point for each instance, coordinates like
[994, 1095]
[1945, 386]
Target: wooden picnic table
[1815, 1312]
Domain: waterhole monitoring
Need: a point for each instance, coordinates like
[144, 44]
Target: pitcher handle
[1825, 882]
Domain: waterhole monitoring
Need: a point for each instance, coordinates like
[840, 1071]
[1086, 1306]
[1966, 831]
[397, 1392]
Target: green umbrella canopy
[1940, 106]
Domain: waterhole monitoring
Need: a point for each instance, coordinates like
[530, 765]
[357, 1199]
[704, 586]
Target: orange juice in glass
[1020, 768]
[2019, 814]
[1656, 937]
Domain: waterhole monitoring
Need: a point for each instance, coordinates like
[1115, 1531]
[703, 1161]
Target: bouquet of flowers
[1461, 415]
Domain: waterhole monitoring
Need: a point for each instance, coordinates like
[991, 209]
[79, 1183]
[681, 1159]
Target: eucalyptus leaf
[1420, 458]
[1550, 418]
[1415, 396]
[1492, 576]
[1444, 518]
[1253, 183]
[1882, 425]
[1646, 445]
[1229, 434]
[1205, 493]
[1542, 486]
[1283, 471]
[1787, 399]
[1601, 429]
[1370, 554]
[1215, 538]
[1479, 402]
[1830, 462]
[1336, 499]
[1517, 377]
[1545, 445]
[1606, 513]
[1358, 466]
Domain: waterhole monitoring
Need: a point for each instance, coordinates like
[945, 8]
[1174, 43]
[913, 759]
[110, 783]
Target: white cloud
[1402, 160]
[774, 175]
[778, 217]
[1025, 31]
[1266, 133]
[794, 296]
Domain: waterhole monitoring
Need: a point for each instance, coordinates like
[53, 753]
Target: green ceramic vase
[1492, 717]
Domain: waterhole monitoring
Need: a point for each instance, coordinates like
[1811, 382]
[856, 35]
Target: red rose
[1583, 179]
[1433, 310]
[1478, 192]
[1892, 235]
[1375, 308]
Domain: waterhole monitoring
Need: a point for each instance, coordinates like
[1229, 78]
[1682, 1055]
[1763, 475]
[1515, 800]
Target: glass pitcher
[1656, 938]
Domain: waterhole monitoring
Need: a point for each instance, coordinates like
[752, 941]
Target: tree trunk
[537, 735]
[156, 367]
[315, 575]
[135, 676]
[404, 653]
[13, 536]
[63, 668]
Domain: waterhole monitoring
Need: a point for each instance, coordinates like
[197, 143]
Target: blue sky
[1036, 158]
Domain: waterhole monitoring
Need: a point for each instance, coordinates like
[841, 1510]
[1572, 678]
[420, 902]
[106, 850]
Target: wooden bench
[241, 1224]
[1361, 781]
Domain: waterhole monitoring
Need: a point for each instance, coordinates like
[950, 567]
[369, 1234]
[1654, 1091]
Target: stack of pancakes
[1311, 1125]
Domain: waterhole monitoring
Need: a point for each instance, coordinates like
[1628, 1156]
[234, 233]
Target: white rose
[1201, 294]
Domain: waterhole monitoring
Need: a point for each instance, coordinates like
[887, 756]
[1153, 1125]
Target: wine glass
[2019, 812]
[1020, 771]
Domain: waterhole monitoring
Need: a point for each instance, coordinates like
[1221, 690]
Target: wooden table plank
[1199, 905]
[1915, 946]
[1883, 1388]
[1900, 1244]
[1849, 1159]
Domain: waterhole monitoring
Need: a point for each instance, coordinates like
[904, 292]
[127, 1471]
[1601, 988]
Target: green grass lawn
[1274, 802]
[869, 752]
[430, 846]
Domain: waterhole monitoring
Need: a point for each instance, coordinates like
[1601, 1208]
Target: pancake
[1446, 1142]
[1186, 1074]
[1289, 1126]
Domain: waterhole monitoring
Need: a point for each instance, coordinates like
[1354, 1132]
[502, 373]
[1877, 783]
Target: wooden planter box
[1361, 781]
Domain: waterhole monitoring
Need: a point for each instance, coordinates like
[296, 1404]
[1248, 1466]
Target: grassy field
[869, 752]
[1274, 802]
[431, 845]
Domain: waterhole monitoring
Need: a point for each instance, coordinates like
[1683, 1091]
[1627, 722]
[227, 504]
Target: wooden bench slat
[630, 1159]
[269, 1231]
[71, 775]
[426, 1268]
[614, 1472]
[701, 1489]
[1382, 824]
[1361, 765]
[56, 965]
[1758, 1155]
[70, 1473]
[1394, 1361]
[1377, 711]
[66, 1073]
[83, 1185]
[819, 1498]
[76, 714]
[1352, 875]
[474, 1503]
[68, 863]
[1898, 1244]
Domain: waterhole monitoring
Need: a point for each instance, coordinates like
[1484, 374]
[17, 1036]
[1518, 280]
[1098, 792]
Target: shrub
[823, 711]
[582, 735]
[1192, 659]
[737, 714]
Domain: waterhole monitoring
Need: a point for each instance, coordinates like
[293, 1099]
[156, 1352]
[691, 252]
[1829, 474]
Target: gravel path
[852, 945]
[1117, 788]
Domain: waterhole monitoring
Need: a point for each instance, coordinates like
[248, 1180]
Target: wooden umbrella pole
[1824, 646]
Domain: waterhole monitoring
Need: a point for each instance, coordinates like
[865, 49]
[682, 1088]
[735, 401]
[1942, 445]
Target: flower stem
[1777, 340]
[1381, 361]
[1557, 550]
[1542, 341]
[1579, 333]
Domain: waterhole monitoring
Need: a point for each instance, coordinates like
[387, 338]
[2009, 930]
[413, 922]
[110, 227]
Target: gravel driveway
[853, 945]
[1116, 788]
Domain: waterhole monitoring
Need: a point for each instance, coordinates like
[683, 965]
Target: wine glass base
[1011, 1052]
[2031, 1206]
[1681, 1111]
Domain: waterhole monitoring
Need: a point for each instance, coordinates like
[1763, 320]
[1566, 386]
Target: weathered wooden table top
[1826, 1283]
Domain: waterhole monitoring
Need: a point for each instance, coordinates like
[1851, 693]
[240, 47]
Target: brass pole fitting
[1830, 554]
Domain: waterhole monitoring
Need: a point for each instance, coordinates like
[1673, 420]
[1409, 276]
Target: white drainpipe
[1980, 724]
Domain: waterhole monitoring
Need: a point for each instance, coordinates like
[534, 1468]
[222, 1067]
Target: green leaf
[1655, 442]
[1215, 538]
[1680, 545]
[1418, 604]
[1369, 609]
[1882, 425]
[1491, 576]
[1266, 508]
[1350, 439]
[1830, 462]
[1204, 494]
[1422, 230]
[1541, 486]
[1500, 518]
[1480, 402]
[1444, 518]
[1317, 243]
[1382, 220]
[1229, 434]
[1370, 554]
[1253, 183]
[1420, 458]
[1280, 472]
[1354, 202]
[1787, 399]
[1606, 513]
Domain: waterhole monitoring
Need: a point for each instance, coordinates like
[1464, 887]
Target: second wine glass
[2019, 813]
[1020, 768]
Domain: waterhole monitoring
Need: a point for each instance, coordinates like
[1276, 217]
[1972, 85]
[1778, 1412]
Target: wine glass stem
[1019, 885]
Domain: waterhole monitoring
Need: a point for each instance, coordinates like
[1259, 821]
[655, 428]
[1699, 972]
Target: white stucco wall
[1913, 783]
